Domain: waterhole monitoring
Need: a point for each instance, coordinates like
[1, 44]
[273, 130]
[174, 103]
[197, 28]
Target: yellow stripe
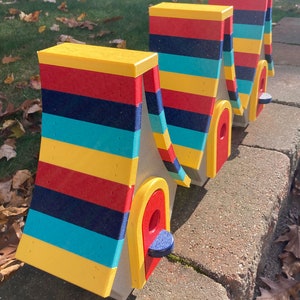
[247, 45]
[191, 11]
[244, 100]
[268, 38]
[186, 182]
[162, 141]
[96, 163]
[99, 59]
[229, 72]
[189, 84]
[238, 111]
[80, 271]
[188, 156]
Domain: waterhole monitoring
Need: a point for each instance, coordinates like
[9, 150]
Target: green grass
[18, 38]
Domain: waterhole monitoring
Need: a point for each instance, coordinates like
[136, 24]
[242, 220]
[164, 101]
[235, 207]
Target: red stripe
[228, 28]
[259, 5]
[189, 102]
[82, 186]
[231, 85]
[151, 80]
[167, 155]
[268, 49]
[246, 59]
[188, 28]
[92, 84]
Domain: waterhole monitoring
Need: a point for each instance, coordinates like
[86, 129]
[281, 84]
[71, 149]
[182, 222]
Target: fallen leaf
[51, 1]
[7, 151]
[12, 128]
[293, 239]
[112, 19]
[32, 17]
[12, 212]
[63, 6]
[10, 59]
[42, 28]
[119, 43]
[72, 23]
[81, 17]
[14, 11]
[54, 27]
[67, 38]
[8, 111]
[290, 264]
[35, 82]
[21, 84]
[5, 187]
[20, 177]
[9, 79]
[283, 289]
[87, 24]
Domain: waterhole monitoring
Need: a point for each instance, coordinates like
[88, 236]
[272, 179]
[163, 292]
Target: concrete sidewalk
[223, 230]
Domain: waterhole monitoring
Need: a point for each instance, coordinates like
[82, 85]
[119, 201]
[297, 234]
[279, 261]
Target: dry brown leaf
[7, 152]
[282, 289]
[81, 17]
[63, 6]
[42, 28]
[54, 27]
[112, 19]
[9, 79]
[12, 212]
[32, 17]
[72, 23]
[5, 187]
[10, 59]
[8, 111]
[290, 264]
[14, 11]
[12, 128]
[119, 43]
[87, 24]
[35, 82]
[20, 177]
[67, 38]
[293, 239]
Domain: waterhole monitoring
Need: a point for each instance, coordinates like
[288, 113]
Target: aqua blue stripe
[178, 176]
[244, 86]
[188, 65]
[90, 135]
[96, 247]
[187, 137]
[248, 31]
[158, 122]
[268, 27]
[228, 58]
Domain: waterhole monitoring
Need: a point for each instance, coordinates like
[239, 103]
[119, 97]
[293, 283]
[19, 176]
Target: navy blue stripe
[187, 119]
[268, 58]
[269, 14]
[107, 113]
[154, 102]
[172, 167]
[96, 218]
[228, 42]
[233, 96]
[249, 17]
[244, 73]
[185, 46]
